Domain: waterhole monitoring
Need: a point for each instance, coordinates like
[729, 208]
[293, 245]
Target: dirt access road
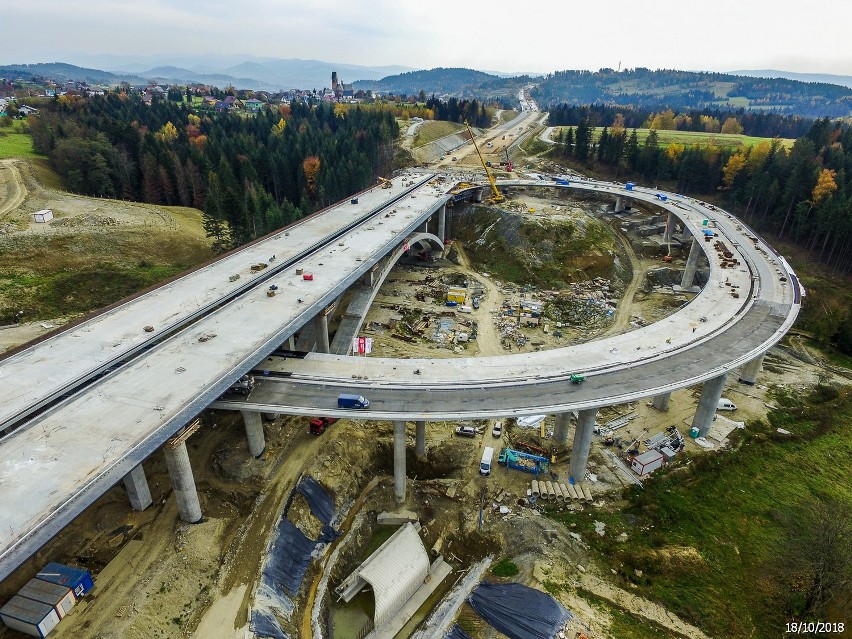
[12, 188]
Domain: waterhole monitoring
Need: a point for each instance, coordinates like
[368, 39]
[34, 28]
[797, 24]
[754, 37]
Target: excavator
[497, 196]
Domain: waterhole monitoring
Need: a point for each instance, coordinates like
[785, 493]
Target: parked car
[497, 431]
[465, 431]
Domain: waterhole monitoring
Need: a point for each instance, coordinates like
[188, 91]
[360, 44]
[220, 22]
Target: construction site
[536, 270]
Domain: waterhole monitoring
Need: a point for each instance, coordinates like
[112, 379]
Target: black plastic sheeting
[456, 633]
[321, 504]
[288, 558]
[518, 611]
[327, 535]
[264, 624]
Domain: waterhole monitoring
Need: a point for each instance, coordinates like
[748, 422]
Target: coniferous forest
[249, 174]
[801, 194]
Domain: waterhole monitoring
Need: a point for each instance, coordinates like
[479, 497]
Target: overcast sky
[499, 35]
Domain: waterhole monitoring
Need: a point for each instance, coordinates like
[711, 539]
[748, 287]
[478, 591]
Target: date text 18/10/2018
[809, 627]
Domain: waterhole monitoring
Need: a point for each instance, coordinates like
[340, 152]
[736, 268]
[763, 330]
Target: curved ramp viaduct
[84, 408]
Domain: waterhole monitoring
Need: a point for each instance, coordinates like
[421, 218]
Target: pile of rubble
[588, 304]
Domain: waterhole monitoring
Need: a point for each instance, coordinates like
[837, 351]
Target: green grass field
[690, 138]
[508, 115]
[14, 143]
[432, 130]
[731, 508]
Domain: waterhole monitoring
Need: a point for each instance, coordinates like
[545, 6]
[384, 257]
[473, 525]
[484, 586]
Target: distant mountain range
[453, 81]
[240, 71]
[803, 94]
[827, 78]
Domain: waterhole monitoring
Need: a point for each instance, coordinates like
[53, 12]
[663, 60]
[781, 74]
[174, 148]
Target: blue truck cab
[346, 400]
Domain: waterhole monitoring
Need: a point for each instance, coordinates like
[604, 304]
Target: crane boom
[497, 197]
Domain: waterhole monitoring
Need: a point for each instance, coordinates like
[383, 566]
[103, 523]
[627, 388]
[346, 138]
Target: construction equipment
[509, 166]
[497, 197]
[386, 183]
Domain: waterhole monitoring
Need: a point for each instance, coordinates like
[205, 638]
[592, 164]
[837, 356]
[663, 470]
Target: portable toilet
[629, 186]
[30, 617]
[77, 579]
[60, 597]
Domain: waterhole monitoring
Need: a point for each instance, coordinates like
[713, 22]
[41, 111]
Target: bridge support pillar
[582, 442]
[420, 439]
[670, 224]
[183, 483]
[706, 410]
[749, 372]
[619, 204]
[661, 402]
[291, 342]
[442, 222]
[691, 263]
[367, 278]
[477, 197]
[254, 433]
[137, 488]
[560, 430]
[321, 330]
[424, 228]
[399, 461]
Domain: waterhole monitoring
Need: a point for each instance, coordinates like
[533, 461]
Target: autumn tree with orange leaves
[311, 167]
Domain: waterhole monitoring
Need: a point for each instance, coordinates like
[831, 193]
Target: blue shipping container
[77, 579]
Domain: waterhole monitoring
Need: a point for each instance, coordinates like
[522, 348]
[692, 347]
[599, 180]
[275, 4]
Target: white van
[485, 462]
[464, 309]
[726, 404]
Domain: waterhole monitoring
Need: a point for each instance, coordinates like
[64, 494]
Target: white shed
[30, 617]
[45, 215]
[647, 462]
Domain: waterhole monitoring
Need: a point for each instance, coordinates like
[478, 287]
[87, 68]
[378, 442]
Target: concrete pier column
[321, 330]
[661, 402]
[291, 342]
[399, 461]
[582, 442]
[254, 433]
[560, 430]
[424, 228]
[691, 263]
[670, 224]
[442, 222]
[420, 439]
[619, 204]
[137, 488]
[183, 483]
[749, 372]
[477, 197]
[706, 410]
[367, 278]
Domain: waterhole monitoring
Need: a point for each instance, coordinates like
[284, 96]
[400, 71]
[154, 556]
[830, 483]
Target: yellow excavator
[497, 196]
[386, 183]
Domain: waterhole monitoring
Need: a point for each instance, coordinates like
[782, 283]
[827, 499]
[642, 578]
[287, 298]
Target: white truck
[725, 404]
[485, 462]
